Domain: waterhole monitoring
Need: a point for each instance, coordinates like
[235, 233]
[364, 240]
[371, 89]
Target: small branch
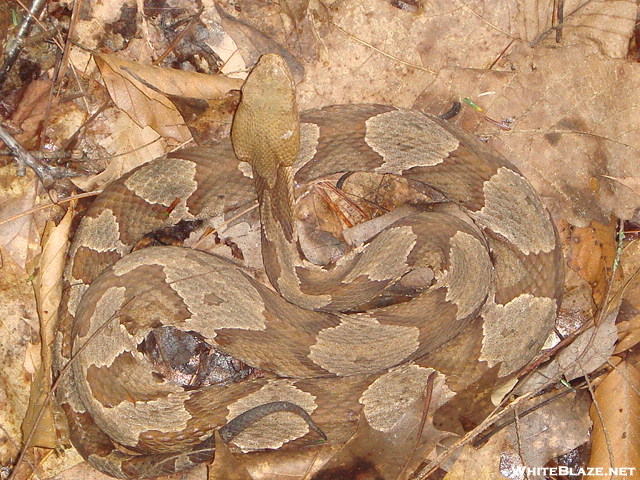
[47, 174]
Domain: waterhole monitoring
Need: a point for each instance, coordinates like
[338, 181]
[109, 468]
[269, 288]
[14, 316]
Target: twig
[48, 205]
[15, 46]
[540, 37]
[47, 174]
[497, 414]
[559, 19]
[17, 447]
[605, 432]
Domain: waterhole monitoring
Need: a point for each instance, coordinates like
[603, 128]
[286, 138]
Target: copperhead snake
[325, 363]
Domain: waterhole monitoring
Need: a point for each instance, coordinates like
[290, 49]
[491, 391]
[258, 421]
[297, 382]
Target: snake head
[266, 128]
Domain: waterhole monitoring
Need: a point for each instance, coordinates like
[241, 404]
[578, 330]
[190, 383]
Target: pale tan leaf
[584, 355]
[633, 183]
[617, 425]
[145, 107]
[287, 464]
[553, 429]
[130, 145]
[253, 43]
[555, 101]
[48, 291]
[17, 195]
[18, 314]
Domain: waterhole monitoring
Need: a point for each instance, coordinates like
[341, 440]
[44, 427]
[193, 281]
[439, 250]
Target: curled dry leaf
[136, 89]
[252, 43]
[159, 103]
[616, 422]
[225, 465]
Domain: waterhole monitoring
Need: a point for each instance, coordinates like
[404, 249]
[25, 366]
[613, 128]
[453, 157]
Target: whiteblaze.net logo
[624, 472]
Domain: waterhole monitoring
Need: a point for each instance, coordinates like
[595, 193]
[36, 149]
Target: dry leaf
[48, 290]
[604, 25]
[145, 106]
[628, 322]
[130, 146]
[552, 429]
[225, 465]
[252, 43]
[554, 100]
[616, 422]
[633, 183]
[129, 86]
[480, 464]
[592, 250]
[17, 310]
[587, 352]
[17, 195]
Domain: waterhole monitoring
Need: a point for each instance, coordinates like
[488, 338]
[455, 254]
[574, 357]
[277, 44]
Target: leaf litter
[567, 96]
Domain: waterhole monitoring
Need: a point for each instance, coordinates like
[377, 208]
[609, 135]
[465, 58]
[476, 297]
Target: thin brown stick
[49, 205]
[552, 28]
[17, 447]
[607, 439]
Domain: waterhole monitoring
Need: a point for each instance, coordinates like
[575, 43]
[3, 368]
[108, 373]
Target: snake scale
[304, 359]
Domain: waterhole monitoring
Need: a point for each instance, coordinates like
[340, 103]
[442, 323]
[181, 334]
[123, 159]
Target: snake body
[313, 360]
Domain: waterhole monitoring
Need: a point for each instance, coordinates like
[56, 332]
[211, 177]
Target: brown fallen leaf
[632, 183]
[561, 138]
[592, 251]
[602, 24]
[628, 321]
[553, 429]
[129, 86]
[615, 413]
[225, 465]
[39, 429]
[584, 355]
[252, 43]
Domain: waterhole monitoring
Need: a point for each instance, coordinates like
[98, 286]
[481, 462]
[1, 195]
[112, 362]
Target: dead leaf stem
[540, 37]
